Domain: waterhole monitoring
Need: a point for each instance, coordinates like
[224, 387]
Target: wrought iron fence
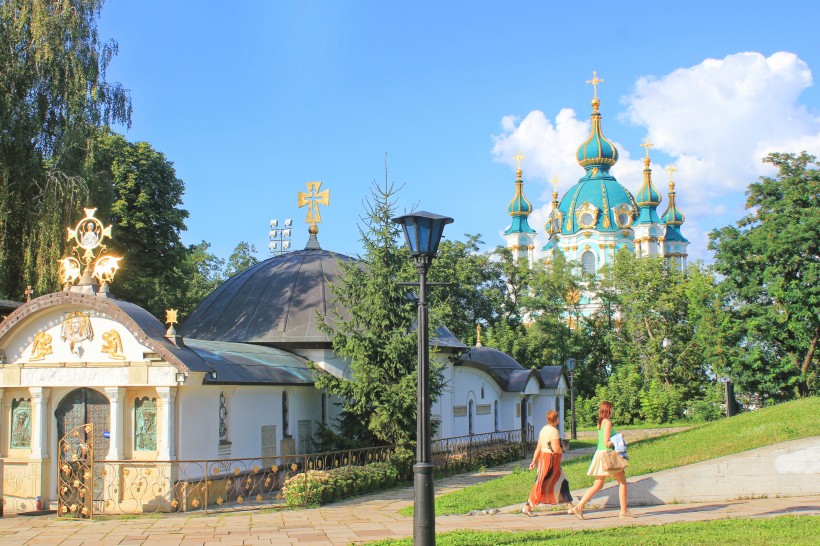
[133, 487]
[490, 447]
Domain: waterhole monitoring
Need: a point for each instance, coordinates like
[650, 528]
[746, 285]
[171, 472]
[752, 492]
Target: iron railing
[461, 451]
[134, 487]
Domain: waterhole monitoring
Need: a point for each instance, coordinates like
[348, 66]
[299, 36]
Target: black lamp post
[423, 231]
[571, 368]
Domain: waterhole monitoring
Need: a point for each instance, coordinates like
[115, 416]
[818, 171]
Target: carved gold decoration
[76, 328]
[70, 270]
[586, 233]
[89, 234]
[606, 223]
[587, 215]
[313, 198]
[623, 216]
[41, 347]
[112, 345]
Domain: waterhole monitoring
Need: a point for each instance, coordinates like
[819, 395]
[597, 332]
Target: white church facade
[233, 383]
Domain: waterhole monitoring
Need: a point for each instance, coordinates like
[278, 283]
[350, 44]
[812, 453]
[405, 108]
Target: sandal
[579, 512]
[527, 512]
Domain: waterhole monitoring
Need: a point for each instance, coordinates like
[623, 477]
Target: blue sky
[252, 99]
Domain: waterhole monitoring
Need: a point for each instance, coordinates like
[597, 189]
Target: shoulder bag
[613, 462]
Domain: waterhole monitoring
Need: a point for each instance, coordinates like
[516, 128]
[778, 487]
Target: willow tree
[53, 95]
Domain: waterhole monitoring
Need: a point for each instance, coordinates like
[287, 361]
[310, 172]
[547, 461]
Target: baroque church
[598, 216]
[83, 372]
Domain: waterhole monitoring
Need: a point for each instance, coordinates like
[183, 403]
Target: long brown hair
[604, 412]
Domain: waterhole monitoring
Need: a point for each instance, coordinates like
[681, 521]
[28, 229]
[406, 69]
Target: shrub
[321, 487]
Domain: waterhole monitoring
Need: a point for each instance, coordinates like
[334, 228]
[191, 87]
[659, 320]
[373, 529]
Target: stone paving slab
[361, 520]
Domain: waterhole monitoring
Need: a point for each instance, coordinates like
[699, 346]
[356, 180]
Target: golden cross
[646, 144]
[171, 316]
[313, 198]
[595, 81]
[28, 292]
[555, 184]
[518, 158]
[670, 169]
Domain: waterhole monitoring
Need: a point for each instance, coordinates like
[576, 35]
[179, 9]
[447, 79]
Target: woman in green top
[596, 468]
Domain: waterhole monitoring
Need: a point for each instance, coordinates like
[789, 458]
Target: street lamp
[280, 237]
[571, 368]
[422, 231]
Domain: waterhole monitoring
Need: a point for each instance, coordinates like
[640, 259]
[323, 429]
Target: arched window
[285, 416]
[495, 414]
[588, 262]
[470, 418]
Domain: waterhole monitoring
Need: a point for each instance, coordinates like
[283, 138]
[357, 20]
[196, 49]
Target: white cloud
[716, 120]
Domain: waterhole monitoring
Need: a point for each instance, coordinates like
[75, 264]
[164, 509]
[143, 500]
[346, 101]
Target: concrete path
[358, 521]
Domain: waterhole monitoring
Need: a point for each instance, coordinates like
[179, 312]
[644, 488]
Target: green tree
[141, 197]
[53, 95]
[202, 271]
[770, 262]
[242, 257]
[475, 292]
[375, 333]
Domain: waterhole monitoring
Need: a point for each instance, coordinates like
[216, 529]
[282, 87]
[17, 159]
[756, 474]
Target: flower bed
[321, 487]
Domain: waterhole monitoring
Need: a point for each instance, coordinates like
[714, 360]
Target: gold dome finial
[671, 170]
[646, 144]
[554, 188]
[313, 198]
[518, 157]
[478, 335]
[595, 81]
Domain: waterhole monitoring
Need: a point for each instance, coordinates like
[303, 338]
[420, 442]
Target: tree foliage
[375, 334]
[770, 261]
[53, 96]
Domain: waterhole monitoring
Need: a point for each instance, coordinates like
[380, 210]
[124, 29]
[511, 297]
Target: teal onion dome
[519, 208]
[597, 151]
[647, 195]
[673, 216]
[597, 202]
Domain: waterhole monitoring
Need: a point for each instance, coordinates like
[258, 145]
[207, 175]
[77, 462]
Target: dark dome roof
[275, 302]
[504, 369]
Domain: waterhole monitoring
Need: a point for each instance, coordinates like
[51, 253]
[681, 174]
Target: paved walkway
[359, 520]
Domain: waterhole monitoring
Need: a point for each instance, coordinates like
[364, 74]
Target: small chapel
[598, 216]
[84, 372]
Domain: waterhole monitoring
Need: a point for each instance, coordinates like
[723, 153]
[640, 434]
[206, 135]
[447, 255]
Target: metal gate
[82, 426]
[75, 478]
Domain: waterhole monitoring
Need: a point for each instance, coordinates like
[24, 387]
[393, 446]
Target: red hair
[552, 417]
[604, 412]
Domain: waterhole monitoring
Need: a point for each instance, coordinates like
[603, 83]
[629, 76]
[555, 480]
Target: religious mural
[20, 423]
[145, 424]
[76, 329]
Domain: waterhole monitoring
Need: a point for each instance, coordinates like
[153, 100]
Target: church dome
[276, 302]
[597, 202]
[597, 150]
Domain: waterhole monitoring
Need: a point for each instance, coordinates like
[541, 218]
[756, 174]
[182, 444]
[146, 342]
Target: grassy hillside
[792, 530]
[788, 421]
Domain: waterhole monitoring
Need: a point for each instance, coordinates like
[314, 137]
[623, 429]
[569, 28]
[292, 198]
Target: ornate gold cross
[555, 183]
[313, 198]
[646, 144]
[595, 81]
[518, 158]
[28, 292]
[670, 169]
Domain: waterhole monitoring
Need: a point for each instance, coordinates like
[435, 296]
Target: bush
[321, 487]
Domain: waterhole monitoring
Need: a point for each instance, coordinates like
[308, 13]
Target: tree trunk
[810, 354]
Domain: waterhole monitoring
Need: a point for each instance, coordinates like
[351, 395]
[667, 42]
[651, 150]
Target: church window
[145, 424]
[20, 423]
[285, 415]
[586, 219]
[587, 215]
[470, 418]
[223, 419]
[482, 392]
[588, 262]
[495, 415]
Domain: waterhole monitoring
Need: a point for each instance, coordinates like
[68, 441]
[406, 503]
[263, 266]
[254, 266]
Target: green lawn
[788, 421]
[792, 530]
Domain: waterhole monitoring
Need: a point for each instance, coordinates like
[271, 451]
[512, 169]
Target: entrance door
[84, 407]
